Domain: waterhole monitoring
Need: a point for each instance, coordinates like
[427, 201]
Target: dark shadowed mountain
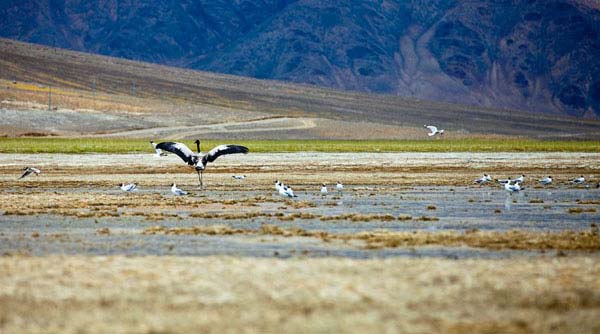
[532, 55]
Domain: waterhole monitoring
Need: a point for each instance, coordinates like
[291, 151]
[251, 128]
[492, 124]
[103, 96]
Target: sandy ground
[411, 245]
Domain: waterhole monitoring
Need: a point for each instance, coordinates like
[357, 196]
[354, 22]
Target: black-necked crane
[197, 160]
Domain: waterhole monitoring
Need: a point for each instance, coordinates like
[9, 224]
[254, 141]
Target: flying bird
[546, 181]
[197, 160]
[433, 130]
[128, 187]
[28, 170]
[176, 191]
[520, 179]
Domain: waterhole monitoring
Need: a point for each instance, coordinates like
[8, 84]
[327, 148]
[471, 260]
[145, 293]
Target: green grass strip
[104, 145]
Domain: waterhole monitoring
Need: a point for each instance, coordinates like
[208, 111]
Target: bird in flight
[433, 130]
[29, 170]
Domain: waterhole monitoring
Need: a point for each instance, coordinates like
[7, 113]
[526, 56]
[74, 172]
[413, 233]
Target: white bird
[339, 187]
[239, 177]
[546, 181]
[128, 187]
[286, 191]
[484, 179]
[278, 186]
[282, 191]
[177, 191]
[505, 181]
[197, 160]
[159, 152]
[433, 130]
[28, 170]
[513, 188]
[578, 180]
[520, 179]
[323, 190]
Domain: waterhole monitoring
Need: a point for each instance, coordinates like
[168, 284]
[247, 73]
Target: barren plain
[410, 245]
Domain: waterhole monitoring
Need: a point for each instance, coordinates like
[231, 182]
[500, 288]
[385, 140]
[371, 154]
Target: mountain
[533, 55]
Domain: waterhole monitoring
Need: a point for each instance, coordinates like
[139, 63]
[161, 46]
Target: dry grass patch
[516, 240]
[359, 217]
[589, 201]
[427, 219]
[580, 210]
[207, 230]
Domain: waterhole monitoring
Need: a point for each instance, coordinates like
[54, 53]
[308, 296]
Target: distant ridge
[530, 55]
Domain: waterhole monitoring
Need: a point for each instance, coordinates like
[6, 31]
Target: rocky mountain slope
[532, 55]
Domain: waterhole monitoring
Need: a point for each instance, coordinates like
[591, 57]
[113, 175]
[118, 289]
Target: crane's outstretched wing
[184, 152]
[220, 150]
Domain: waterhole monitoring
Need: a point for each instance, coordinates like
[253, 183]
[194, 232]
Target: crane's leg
[200, 178]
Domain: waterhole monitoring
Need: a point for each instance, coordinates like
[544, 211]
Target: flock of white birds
[516, 185]
[200, 161]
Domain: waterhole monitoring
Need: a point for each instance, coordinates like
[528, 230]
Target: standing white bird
[323, 190]
[520, 179]
[578, 180]
[239, 177]
[433, 130]
[128, 187]
[288, 191]
[28, 170]
[513, 188]
[176, 191]
[282, 191]
[197, 160]
[484, 179]
[546, 181]
[339, 187]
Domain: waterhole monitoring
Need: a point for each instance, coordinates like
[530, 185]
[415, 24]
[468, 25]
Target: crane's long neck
[198, 146]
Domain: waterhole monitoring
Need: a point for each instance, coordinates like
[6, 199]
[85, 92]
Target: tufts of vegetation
[580, 210]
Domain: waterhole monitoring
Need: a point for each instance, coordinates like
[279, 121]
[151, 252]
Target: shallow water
[457, 208]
